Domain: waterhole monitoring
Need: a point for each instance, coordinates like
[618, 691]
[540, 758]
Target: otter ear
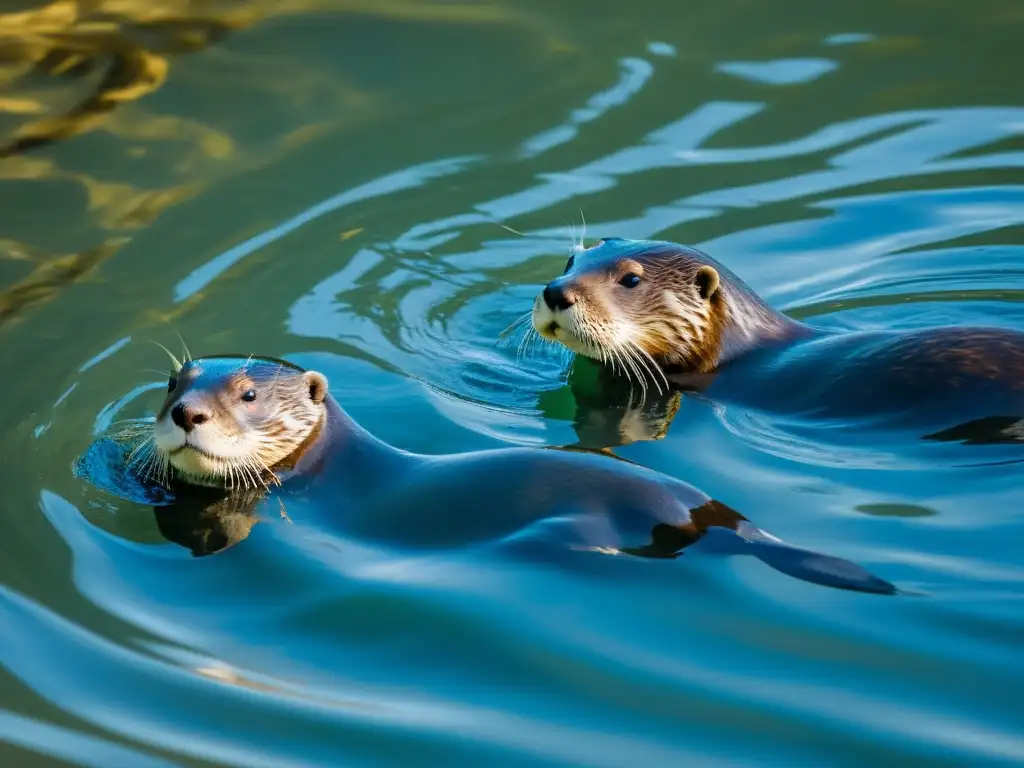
[317, 384]
[707, 281]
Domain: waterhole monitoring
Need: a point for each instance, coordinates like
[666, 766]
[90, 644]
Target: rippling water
[327, 182]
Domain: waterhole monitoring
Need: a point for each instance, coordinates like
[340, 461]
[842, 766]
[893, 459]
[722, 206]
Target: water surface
[326, 182]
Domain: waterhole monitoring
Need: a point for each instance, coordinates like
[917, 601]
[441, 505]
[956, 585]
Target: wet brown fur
[288, 406]
[688, 312]
[686, 332]
[690, 339]
[958, 356]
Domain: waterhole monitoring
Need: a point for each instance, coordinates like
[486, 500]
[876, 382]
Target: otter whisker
[525, 317]
[274, 479]
[147, 463]
[129, 432]
[257, 475]
[537, 341]
[562, 354]
[262, 473]
[623, 358]
[612, 357]
[625, 371]
[177, 364]
[653, 366]
[138, 453]
[523, 339]
[134, 420]
[144, 421]
[265, 471]
[242, 471]
[256, 467]
[143, 460]
[526, 344]
[534, 339]
[188, 355]
[640, 377]
[157, 465]
[251, 472]
[514, 232]
[527, 339]
[650, 374]
[141, 453]
[518, 328]
[144, 470]
[247, 475]
[144, 467]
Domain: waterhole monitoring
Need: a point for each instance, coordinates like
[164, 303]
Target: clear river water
[376, 189]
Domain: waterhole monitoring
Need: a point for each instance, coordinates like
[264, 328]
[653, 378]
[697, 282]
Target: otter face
[228, 420]
[635, 304]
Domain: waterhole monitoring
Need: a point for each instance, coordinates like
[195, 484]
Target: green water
[325, 183]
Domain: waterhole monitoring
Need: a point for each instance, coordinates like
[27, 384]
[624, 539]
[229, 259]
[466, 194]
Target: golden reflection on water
[51, 274]
[74, 67]
[136, 39]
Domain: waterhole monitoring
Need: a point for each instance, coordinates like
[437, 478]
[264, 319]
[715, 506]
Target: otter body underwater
[246, 428]
[676, 318]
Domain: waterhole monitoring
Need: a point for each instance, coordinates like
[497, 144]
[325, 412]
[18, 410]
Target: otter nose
[556, 298]
[186, 417]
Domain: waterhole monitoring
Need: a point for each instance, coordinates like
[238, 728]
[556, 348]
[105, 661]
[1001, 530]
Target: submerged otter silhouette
[233, 430]
[668, 316]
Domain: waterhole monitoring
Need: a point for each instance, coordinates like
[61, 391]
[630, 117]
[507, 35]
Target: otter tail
[803, 564]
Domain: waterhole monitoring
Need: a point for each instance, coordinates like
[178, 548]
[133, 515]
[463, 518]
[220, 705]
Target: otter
[670, 317]
[235, 430]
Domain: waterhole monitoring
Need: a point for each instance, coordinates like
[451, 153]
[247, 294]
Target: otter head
[227, 421]
[636, 305]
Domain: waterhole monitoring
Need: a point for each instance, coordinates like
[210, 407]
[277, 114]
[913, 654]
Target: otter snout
[557, 297]
[555, 311]
[187, 416]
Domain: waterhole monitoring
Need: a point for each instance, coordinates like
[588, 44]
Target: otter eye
[630, 280]
[569, 263]
[249, 396]
[171, 384]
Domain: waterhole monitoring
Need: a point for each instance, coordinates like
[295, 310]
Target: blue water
[328, 185]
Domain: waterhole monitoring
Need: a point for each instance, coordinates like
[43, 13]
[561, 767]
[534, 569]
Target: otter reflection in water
[234, 430]
[670, 317]
[609, 411]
